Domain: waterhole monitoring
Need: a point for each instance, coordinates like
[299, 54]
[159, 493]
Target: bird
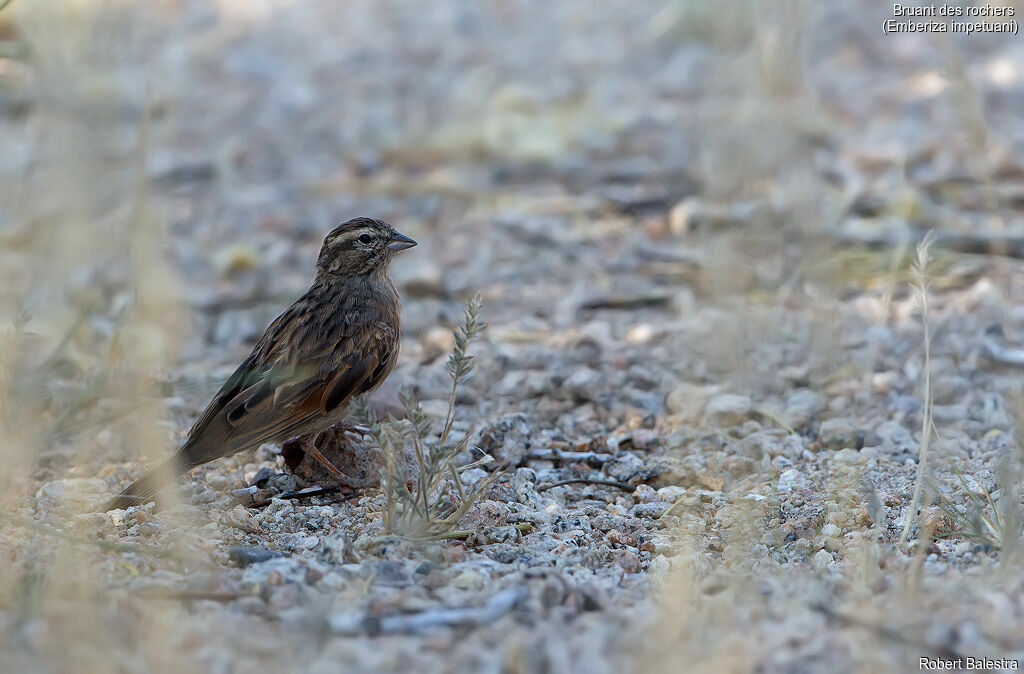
[337, 341]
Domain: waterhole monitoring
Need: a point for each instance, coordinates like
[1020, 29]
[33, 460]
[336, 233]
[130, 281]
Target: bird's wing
[285, 388]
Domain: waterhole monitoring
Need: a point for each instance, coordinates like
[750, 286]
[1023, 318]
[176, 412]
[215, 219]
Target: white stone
[821, 560]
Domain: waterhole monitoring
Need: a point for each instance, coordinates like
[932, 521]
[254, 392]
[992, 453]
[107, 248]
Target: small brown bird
[337, 341]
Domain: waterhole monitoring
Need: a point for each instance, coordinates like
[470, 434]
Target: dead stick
[560, 455]
[303, 493]
[190, 595]
[464, 534]
[581, 480]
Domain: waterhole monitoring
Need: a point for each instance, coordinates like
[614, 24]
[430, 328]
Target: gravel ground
[705, 366]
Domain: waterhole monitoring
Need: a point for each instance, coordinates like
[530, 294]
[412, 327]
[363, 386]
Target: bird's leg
[314, 451]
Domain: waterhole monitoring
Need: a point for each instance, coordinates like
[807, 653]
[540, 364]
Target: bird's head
[360, 246]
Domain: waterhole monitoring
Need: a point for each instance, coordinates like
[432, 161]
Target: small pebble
[821, 559]
[243, 556]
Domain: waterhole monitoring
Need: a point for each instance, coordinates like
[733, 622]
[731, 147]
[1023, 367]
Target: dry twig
[581, 480]
[469, 616]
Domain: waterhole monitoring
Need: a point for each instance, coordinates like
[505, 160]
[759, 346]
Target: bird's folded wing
[289, 395]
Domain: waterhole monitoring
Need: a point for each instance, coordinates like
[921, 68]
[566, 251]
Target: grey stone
[652, 510]
[950, 389]
[949, 413]
[243, 556]
[841, 432]
[507, 439]
[803, 405]
[688, 401]
[727, 409]
[894, 437]
[624, 467]
[765, 443]
[791, 480]
[584, 384]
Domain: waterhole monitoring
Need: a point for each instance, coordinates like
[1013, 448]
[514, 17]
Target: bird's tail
[145, 489]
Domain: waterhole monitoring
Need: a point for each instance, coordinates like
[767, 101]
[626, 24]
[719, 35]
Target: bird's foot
[335, 472]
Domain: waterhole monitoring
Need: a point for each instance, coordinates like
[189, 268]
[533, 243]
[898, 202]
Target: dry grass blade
[971, 522]
[993, 520]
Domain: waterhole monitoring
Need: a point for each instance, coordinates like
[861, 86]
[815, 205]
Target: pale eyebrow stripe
[348, 237]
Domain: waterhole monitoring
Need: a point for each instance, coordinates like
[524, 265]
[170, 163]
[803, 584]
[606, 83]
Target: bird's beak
[400, 242]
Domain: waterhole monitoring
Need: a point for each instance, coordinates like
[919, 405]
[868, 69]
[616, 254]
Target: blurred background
[684, 217]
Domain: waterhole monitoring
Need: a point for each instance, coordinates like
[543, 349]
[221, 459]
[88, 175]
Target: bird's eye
[365, 238]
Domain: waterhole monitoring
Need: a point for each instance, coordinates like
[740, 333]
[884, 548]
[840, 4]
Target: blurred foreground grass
[90, 318]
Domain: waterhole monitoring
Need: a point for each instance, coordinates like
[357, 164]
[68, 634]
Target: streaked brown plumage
[337, 341]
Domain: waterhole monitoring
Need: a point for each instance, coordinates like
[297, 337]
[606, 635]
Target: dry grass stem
[921, 292]
[430, 507]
